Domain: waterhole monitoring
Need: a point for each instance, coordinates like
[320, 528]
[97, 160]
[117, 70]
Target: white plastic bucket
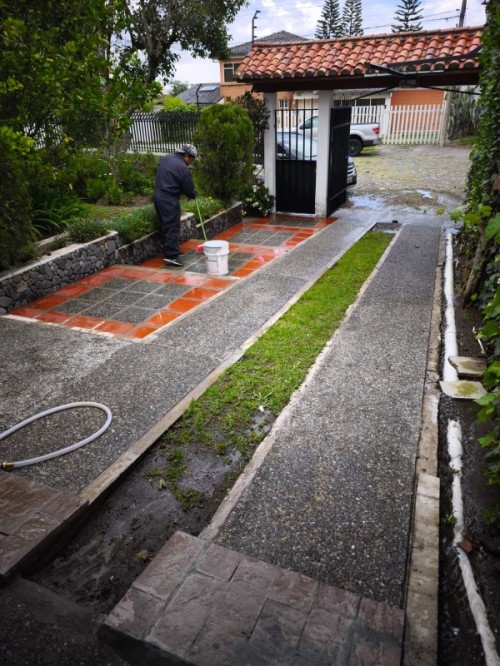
[216, 256]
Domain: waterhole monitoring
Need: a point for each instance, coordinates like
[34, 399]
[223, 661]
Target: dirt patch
[53, 617]
[459, 642]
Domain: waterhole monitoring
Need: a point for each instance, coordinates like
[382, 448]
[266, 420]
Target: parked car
[365, 134]
[297, 146]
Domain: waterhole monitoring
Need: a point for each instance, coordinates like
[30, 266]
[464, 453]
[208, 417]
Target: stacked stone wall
[68, 265]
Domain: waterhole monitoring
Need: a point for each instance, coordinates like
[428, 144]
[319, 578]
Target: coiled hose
[59, 452]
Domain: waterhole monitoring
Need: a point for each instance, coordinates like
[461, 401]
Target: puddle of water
[360, 201]
[426, 194]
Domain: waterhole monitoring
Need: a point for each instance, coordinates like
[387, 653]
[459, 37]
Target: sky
[300, 17]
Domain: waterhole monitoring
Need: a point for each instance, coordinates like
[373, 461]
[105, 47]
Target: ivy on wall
[480, 235]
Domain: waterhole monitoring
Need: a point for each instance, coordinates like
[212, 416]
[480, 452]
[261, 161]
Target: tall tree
[150, 28]
[408, 16]
[329, 25]
[50, 70]
[352, 21]
[177, 87]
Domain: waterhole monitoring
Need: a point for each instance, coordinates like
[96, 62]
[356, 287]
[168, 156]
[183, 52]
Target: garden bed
[65, 266]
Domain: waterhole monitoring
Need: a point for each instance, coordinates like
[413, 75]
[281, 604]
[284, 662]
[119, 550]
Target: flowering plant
[257, 200]
[208, 206]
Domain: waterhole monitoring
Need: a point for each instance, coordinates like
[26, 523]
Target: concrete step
[201, 604]
[32, 518]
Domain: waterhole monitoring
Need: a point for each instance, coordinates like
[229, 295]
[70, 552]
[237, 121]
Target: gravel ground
[421, 177]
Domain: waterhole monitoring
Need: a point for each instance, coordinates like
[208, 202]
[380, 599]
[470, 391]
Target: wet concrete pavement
[346, 445]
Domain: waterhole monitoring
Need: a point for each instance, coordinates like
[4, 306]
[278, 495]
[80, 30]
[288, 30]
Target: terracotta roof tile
[349, 56]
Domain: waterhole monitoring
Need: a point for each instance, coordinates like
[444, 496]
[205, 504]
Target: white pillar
[323, 138]
[270, 145]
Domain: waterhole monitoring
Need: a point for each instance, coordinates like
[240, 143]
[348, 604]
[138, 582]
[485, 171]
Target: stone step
[32, 518]
[202, 604]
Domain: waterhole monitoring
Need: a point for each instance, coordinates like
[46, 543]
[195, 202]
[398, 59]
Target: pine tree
[352, 21]
[329, 25]
[408, 16]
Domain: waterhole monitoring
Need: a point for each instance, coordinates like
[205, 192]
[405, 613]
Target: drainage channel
[454, 437]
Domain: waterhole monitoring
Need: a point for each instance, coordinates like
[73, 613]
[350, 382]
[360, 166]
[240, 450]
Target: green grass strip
[227, 415]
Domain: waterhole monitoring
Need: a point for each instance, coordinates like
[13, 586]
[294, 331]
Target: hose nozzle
[6, 465]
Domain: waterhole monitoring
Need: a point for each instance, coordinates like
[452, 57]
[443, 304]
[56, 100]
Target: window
[229, 71]
[376, 101]
[284, 103]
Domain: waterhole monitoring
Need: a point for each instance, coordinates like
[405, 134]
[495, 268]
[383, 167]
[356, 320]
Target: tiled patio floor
[136, 301]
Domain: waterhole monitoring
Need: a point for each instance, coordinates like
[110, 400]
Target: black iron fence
[161, 132]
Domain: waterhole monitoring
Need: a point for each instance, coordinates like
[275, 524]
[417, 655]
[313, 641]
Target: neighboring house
[202, 95]
[369, 104]
[230, 88]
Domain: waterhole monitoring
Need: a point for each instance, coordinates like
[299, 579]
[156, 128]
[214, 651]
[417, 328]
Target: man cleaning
[173, 179]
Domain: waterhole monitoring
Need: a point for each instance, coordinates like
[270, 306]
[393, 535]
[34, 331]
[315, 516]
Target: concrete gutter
[421, 626]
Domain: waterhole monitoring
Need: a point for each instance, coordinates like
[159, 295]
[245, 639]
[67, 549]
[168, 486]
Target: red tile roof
[426, 51]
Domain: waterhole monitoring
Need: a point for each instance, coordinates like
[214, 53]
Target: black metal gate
[296, 154]
[340, 121]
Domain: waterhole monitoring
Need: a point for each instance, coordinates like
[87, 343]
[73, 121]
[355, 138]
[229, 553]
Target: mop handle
[201, 221]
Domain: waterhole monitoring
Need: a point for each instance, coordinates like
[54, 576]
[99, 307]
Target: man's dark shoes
[174, 262]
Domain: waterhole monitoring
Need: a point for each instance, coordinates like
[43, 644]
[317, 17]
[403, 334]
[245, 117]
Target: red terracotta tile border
[217, 283]
[48, 302]
[162, 318]
[54, 317]
[162, 276]
[192, 280]
[29, 313]
[73, 290]
[243, 272]
[182, 305]
[141, 332]
[83, 322]
[115, 327]
[94, 280]
[201, 293]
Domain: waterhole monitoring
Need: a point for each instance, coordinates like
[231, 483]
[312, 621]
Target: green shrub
[135, 225]
[207, 206]
[52, 211]
[114, 194]
[136, 173]
[85, 166]
[173, 104]
[84, 231]
[224, 137]
[96, 188]
[16, 232]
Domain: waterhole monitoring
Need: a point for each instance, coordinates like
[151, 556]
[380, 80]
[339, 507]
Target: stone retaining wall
[75, 262]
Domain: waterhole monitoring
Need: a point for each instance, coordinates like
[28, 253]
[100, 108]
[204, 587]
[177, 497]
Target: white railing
[418, 124]
[367, 114]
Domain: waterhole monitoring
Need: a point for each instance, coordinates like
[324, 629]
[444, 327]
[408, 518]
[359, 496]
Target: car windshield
[297, 146]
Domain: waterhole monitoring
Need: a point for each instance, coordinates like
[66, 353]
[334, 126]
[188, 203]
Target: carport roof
[438, 57]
